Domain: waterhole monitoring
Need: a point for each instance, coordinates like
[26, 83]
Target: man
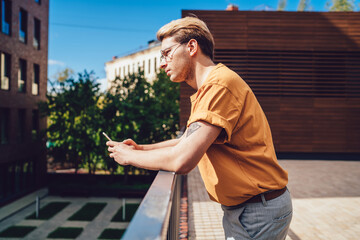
[227, 136]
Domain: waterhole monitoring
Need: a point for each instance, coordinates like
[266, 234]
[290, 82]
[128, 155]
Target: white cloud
[55, 62]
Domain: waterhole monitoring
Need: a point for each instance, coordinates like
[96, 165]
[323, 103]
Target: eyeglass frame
[169, 56]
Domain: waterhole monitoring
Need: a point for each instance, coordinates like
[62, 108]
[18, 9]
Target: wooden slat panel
[304, 68]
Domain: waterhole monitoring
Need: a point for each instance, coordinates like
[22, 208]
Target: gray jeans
[267, 220]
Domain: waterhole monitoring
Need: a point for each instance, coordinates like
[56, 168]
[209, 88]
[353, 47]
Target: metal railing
[158, 214]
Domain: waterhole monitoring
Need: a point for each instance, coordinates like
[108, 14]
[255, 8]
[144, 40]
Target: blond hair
[185, 29]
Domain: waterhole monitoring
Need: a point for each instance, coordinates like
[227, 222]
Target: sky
[84, 34]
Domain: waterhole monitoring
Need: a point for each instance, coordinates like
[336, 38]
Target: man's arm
[146, 147]
[180, 158]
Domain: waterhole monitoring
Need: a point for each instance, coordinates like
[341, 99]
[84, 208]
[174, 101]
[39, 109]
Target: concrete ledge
[20, 204]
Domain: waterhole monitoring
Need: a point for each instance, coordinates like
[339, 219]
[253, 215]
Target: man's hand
[120, 152]
[131, 142]
[177, 155]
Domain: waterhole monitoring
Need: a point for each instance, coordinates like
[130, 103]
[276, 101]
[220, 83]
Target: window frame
[22, 73]
[5, 16]
[37, 34]
[23, 25]
[5, 71]
[4, 126]
[35, 80]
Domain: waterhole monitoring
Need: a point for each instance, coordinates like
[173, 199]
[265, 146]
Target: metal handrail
[158, 214]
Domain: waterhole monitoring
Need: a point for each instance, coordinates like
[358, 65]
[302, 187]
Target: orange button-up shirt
[241, 163]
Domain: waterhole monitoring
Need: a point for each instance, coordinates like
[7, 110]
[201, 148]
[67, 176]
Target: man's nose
[163, 63]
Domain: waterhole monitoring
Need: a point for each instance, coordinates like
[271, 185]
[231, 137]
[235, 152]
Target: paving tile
[119, 225]
[21, 203]
[81, 224]
[28, 222]
[91, 229]
[326, 196]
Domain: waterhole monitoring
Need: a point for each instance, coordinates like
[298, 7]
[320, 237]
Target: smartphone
[106, 136]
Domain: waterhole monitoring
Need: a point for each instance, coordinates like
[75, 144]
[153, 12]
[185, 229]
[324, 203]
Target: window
[21, 126]
[4, 126]
[35, 124]
[123, 72]
[36, 41]
[149, 68]
[5, 71]
[22, 25]
[10, 179]
[36, 80]
[155, 65]
[2, 181]
[143, 66]
[5, 17]
[22, 76]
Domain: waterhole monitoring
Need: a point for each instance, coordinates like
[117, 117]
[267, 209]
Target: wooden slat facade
[304, 68]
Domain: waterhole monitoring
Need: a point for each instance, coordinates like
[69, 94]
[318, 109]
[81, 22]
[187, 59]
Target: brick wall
[15, 151]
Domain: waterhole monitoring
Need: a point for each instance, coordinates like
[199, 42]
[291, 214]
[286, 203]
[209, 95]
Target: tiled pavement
[91, 229]
[326, 200]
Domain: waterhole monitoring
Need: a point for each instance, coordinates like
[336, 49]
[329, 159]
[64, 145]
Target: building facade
[23, 75]
[147, 60]
[304, 69]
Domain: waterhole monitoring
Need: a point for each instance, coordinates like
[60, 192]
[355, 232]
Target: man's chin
[176, 80]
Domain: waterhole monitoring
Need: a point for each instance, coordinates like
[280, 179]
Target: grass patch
[65, 232]
[16, 231]
[49, 210]
[130, 211]
[88, 212]
[111, 233]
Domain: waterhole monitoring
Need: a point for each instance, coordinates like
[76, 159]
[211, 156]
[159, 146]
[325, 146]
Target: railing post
[152, 219]
[173, 230]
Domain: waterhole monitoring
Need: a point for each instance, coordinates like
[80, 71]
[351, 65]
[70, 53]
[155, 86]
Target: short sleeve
[216, 105]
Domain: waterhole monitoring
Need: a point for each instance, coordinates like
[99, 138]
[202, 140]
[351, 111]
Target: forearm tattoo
[192, 128]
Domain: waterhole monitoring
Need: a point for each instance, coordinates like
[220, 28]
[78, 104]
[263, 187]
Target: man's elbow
[184, 166]
[182, 171]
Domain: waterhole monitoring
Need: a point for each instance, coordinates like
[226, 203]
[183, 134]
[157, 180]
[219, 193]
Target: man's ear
[193, 47]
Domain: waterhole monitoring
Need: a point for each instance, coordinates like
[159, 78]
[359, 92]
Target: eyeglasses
[165, 54]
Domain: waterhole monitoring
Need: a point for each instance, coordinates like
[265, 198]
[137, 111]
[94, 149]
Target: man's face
[175, 60]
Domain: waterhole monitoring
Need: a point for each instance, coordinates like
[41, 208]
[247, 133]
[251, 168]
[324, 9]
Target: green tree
[62, 75]
[126, 110]
[281, 5]
[74, 120]
[165, 109]
[341, 5]
[304, 5]
[132, 108]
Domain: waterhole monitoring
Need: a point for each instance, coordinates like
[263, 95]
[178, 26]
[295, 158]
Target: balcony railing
[158, 214]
